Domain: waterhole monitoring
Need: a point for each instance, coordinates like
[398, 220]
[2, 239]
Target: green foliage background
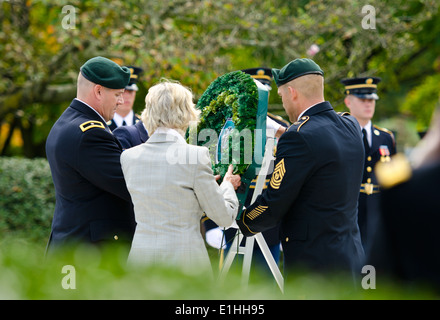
[27, 199]
[195, 42]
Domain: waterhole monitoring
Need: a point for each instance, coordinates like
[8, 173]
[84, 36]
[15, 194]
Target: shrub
[27, 199]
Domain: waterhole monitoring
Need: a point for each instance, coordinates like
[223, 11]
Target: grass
[26, 274]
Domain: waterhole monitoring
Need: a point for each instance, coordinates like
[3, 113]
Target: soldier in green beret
[93, 205]
[313, 190]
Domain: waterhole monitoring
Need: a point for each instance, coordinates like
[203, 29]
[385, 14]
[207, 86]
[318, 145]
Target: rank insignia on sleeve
[91, 124]
[277, 175]
[256, 212]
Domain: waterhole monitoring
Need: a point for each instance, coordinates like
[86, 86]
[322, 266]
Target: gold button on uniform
[116, 237]
[369, 158]
[369, 169]
[287, 239]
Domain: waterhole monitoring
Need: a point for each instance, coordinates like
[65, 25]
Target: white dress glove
[214, 237]
[272, 124]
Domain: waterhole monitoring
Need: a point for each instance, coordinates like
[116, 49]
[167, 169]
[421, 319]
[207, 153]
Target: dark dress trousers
[314, 192]
[130, 136]
[93, 204]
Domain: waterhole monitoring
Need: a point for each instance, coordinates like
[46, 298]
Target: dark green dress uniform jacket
[93, 204]
[314, 192]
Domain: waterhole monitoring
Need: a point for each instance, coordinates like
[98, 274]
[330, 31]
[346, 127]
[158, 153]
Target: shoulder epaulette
[385, 130]
[394, 172]
[91, 124]
[343, 113]
[298, 124]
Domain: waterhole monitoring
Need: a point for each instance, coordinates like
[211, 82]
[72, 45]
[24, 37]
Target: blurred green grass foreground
[86, 273]
[26, 209]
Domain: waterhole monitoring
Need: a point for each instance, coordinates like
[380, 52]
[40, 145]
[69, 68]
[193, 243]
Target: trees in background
[42, 46]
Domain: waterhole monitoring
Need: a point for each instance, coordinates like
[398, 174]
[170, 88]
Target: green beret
[105, 72]
[295, 69]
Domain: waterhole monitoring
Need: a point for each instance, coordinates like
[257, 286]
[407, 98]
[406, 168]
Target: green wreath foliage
[232, 95]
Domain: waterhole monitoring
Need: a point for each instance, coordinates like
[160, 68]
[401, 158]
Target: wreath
[231, 97]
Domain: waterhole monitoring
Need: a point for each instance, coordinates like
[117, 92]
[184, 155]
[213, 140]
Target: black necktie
[124, 123]
[366, 145]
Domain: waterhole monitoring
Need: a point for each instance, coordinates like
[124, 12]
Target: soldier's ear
[97, 91]
[293, 92]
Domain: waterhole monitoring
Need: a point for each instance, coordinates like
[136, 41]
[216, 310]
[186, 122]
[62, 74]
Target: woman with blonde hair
[171, 196]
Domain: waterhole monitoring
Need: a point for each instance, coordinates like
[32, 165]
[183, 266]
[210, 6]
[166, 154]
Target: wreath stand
[247, 250]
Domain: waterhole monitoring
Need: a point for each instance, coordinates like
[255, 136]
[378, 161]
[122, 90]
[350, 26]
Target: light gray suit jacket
[171, 185]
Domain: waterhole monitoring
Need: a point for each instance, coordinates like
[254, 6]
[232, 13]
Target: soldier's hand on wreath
[235, 179]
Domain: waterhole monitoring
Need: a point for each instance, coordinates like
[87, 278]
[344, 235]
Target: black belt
[369, 188]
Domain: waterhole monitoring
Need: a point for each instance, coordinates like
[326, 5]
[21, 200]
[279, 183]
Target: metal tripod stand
[247, 250]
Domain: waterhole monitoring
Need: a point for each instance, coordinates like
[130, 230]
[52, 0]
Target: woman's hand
[235, 179]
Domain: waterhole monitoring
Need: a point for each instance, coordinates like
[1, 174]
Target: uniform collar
[76, 99]
[316, 108]
[117, 118]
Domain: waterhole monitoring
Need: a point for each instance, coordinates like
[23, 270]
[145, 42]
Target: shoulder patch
[91, 124]
[394, 172]
[298, 124]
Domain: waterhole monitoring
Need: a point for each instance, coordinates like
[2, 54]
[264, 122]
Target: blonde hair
[169, 104]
